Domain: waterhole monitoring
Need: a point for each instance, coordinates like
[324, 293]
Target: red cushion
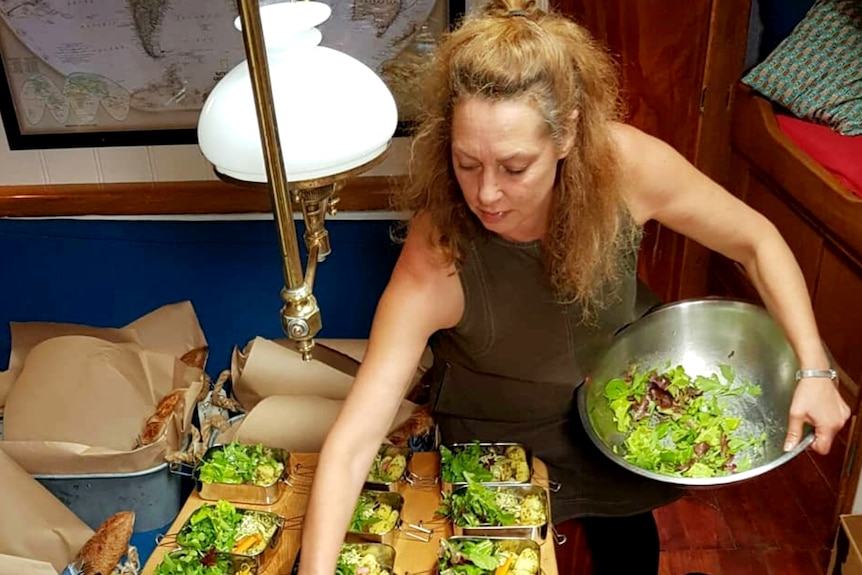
[841, 155]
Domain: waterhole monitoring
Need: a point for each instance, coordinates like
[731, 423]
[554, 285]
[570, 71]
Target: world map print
[106, 63]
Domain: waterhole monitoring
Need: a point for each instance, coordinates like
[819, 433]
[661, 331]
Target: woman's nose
[489, 190]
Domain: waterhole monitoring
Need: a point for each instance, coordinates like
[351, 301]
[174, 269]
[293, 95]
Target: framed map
[92, 73]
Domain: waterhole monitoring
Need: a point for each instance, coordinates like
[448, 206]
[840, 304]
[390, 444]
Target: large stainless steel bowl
[701, 335]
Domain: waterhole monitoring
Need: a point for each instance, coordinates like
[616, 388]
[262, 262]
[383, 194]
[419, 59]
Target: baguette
[157, 423]
[101, 554]
[196, 357]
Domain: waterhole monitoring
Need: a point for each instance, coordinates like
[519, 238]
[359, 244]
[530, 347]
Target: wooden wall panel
[838, 307]
[661, 47]
[210, 197]
[804, 241]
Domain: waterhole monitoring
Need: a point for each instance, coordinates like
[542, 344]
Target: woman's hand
[818, 403]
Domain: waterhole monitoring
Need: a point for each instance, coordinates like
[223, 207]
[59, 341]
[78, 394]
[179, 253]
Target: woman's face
[505, 162]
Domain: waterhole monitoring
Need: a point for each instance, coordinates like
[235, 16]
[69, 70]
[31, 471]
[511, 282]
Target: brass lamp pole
[300, 314]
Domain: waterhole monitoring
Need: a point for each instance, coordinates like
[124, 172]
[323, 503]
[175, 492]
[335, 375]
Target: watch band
[830, 373]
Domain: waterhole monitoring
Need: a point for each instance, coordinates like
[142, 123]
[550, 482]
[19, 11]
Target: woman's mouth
[488, 217]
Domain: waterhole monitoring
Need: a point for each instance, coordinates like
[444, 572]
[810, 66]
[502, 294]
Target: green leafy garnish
[490, 463]
[486, 556]
[676, 425]
[237, 463]
[478, 504]
[191, 562]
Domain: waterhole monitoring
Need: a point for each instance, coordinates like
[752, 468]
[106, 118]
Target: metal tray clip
[422, 481]
[418, 532]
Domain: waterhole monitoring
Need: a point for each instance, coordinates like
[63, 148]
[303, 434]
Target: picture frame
[141, 83]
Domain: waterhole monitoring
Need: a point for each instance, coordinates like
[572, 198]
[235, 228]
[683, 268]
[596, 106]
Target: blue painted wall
[108, 273]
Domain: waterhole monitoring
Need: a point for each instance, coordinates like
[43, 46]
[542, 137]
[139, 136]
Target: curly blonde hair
[514, 50]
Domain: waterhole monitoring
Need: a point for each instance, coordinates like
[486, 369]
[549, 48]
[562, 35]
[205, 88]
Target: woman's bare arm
[423, 295]
[664, 186]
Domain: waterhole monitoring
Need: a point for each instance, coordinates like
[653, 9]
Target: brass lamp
[298, 118]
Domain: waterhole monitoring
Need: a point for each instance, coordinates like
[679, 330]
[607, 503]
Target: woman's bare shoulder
[423, 267]
[422, 253]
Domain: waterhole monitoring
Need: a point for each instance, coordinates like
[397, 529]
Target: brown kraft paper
[36, 526]
[11, 565]
[297, 423]
[79, 402]
[172, 329]
[266, 368]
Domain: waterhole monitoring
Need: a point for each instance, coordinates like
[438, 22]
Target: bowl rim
[692, 482]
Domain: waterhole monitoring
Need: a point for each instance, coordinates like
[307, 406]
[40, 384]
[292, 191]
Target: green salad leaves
[677, 425]
[191, 562]
[477, 556]
[484, 463]
[236, 463]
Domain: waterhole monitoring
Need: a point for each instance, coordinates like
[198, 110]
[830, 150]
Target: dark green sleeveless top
[509, 370]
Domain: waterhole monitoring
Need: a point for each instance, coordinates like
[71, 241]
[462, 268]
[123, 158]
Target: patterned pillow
[816, 72]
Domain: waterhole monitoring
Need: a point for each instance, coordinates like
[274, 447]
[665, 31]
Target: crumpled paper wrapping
[290, 403]
[37, 532]
[81, 395]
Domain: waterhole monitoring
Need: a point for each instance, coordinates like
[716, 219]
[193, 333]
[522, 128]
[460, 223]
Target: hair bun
[510, 8]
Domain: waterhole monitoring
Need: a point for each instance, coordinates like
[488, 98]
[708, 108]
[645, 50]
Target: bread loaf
[196, 357]
[101, 554]
[158, 421]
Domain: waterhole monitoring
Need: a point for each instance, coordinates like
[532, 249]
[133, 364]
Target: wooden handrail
[367, 193]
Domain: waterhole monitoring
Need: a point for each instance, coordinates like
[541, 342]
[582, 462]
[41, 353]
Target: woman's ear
[569, 137]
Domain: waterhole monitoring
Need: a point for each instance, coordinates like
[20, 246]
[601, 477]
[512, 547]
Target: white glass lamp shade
[334, 113]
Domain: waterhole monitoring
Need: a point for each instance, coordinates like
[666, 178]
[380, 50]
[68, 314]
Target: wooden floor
[777, 524]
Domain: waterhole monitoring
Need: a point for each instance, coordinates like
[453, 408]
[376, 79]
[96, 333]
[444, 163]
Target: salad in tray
[389, 465]
[360, 559]
[222, 528]
[484, 463]
[675, 424]
[481, 505]
[468, 556]
[372, 515]
[236, 463]
[191, 562]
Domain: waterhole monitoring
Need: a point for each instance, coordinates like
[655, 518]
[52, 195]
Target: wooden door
[678, 61]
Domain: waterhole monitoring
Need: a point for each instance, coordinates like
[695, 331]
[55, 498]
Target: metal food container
[238, 565]
[396, 502]
[383, 553]
[497, 447]
[246, 492]
[156, 495]
[258, 557]
[702, 335]
[381, 484]
[512, 544]
[537, 532]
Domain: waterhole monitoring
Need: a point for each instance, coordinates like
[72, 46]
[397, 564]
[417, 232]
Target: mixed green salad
[191, 562]
[371, 515]
[389, 465]
[222, 528]
[487, 557]
[484, 463]
[478, 504]
[359, 559]
[236, 463]
[675, 424]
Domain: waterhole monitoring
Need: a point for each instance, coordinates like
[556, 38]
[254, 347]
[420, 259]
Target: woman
[529, 196]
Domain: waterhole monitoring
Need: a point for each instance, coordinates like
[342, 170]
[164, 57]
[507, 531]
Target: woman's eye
[466, 168]
[514, 171]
